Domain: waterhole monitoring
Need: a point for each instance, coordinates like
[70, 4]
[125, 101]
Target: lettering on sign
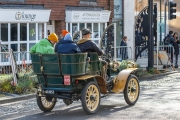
[91, 14]
[66, 79]
[24, 16]
[117, 7]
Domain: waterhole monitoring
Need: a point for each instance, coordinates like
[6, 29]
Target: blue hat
[68, 37]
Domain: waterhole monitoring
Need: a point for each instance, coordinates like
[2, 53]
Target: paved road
[159, 99]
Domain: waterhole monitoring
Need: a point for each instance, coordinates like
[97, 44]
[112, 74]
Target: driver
[86, 44]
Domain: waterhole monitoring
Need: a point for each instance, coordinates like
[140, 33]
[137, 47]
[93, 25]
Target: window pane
[81, 26]
[95, 31]
[23, 32]
[4, 56]
[4, 32]
[4, 48]
[30, 45]
[40, 31]
[32, 32]
[23, 49]
[102, 28]
[74, 28]
[14, 47]
[69, 27]
[14, 32]
[89, 26]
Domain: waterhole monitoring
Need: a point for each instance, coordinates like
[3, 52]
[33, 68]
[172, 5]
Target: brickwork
[57, 8]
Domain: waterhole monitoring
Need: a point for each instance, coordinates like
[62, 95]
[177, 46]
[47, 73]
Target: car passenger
[67, 46]
[63, 33]
[86, 44]
[45, 46]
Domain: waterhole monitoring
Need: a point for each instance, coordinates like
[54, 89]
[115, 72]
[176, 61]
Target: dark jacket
[123, 50]
[57, 44]
[176, 47]
[67, 46]
[86, 45]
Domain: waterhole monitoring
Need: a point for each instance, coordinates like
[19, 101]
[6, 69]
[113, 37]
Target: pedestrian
[63, 33]
[169, 42]
[123, 49]
[176, 48]
[45, 46]
[67, 46]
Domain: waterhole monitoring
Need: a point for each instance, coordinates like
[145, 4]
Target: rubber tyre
[90, 98]
[51, 101]
[132, 89]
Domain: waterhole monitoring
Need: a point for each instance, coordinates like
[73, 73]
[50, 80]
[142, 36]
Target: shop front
[94, 20]
[20, 29]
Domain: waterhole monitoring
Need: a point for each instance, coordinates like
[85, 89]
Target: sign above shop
[87, 16]
[18, 15]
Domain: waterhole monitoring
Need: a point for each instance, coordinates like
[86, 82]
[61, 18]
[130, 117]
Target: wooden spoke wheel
[90, 98]
[131, 91]
[46, 104]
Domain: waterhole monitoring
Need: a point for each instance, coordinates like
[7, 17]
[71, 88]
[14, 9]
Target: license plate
[67, 80]
[49, 91]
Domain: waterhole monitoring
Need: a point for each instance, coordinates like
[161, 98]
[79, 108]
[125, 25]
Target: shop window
[4, 32]
[14, 35]
[23, 32]
[32, 31]
[40, 31]
[23, 49]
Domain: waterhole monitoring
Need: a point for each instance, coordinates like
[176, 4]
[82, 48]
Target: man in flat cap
[86, 44]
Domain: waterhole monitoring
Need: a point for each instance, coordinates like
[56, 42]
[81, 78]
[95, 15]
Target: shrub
[24, 84]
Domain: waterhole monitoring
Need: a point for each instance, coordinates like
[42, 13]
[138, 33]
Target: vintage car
[73, 77]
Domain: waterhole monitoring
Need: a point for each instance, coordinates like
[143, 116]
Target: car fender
[120, 80]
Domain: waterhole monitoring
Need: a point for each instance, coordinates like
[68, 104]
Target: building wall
[129, 23]
[171, 24]
[58, 9]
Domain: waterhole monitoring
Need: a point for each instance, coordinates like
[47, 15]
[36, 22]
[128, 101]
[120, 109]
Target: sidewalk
[8, 98]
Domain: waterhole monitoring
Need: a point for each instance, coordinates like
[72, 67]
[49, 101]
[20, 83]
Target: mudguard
[120, 81]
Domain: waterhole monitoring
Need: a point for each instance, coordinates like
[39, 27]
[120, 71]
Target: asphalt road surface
[159, 99]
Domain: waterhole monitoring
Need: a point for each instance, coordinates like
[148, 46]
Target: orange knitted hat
[64, 32]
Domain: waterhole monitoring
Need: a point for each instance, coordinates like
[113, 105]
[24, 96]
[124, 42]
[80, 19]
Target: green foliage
[123, 65]
[24, 85]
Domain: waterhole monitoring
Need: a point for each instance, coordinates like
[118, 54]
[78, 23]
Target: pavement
[8, 98]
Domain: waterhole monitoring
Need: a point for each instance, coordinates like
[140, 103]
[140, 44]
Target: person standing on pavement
[123, 50]
[168, 42]
[176, 48]
[45, 46]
